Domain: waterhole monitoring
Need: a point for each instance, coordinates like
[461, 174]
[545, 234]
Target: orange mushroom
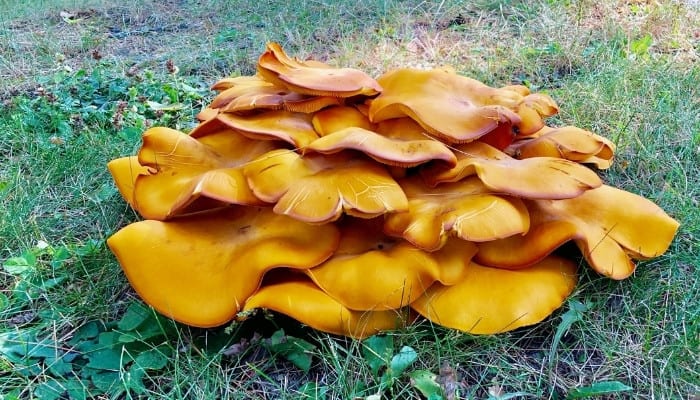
[568, 142]
[451, 107]
[401, 150]
[313, 78]
[291, 127]
[265, 95]
[317, 189]
[466, 209]
[334, 119]
[124, 171]
[532, 178]
[532, 109]
[370, 271]
[612, 225]
[188, 174]
[302, 300]
[199, 270]
[491, 300]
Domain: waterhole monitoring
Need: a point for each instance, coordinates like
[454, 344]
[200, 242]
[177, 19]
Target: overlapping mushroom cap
[372, 200]
[201, 269]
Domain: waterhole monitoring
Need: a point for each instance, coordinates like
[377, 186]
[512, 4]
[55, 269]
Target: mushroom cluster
[356, 205]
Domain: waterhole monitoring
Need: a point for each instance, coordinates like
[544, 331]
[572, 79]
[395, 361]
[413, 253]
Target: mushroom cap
[124, 171]
[302, 300]
[522, 251]
[532, 178]
[465, 209]
[395, 151]
[532, 111]
[612, 225]
[265, 95]
[206, 114]
[200, 269]
[370, 271]
[453, 108]
[567, 142]
[314, 78]
[492, 300]
[291, 127]
[318, 189]
[188, 174]
[333, 119]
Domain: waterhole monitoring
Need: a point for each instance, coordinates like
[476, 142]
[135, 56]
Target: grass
[73, 86]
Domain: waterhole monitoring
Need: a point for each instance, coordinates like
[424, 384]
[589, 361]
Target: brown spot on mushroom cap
[199, 270]
[318, 189]
[465, 209]
[492, 300]
[370, 271]
[533, 178]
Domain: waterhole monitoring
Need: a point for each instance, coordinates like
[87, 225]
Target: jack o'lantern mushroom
[124, 172]
[532, 178]
[608, 236]
[370, 271]
[333, 119]
[200, 269]
[450, 107]
[184, 171]
[302, 300]
[314, 78]
[455, 196]
[492, 300]
[317, 189]
[568, 142]
[400, 151]
[265, 95]
[465, 209]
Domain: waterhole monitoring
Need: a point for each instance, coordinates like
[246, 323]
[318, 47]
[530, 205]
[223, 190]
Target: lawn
[81, 80]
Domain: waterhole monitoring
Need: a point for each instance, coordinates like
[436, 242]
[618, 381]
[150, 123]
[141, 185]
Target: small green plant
[389, 367]
[98, 359]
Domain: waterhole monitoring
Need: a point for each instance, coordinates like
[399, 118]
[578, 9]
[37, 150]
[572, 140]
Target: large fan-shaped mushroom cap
[315, 78]
[188, 174]
[466, 209]
[200, 269]
[612, 225]
[370, 271]
[454, 108]
[304, 301]
[492, 300]
[318, 189]
[568, 142]
[532, 178]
